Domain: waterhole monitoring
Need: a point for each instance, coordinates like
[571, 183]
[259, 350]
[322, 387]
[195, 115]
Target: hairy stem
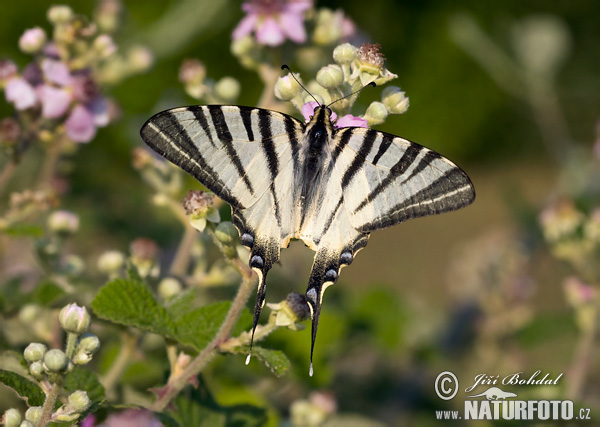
[48, 407]
[176, 383]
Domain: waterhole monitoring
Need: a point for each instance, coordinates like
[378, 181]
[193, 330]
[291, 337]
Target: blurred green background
[474, 291]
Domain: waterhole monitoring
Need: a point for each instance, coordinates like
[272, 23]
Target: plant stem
[177, 383]
[48, 167]
[49, 405]
[110, 379]
[181, 261]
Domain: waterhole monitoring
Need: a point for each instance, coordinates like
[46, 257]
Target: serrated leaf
[26, 389]
[199, 326]
[130, 302]
[47, 292]
[83, 379]
[275, 360]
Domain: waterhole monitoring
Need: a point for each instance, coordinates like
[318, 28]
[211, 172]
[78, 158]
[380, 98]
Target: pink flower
[8, 69]
[346, 121]
[20, 93]
[273, 21]
[55, 102]
[80, 124]
[32, 40]
[56, 72]
[132, 418]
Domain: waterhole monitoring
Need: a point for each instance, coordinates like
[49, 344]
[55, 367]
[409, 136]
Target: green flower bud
[169, 287]
[34, 414]
[395, 100]
[36, 369]
[104, 45]
[88, 343]
[286, 88]
[376, 113]
[111, 262]
[55, 360]
[82, 358]
[34, 352]
[12, 418]
[74, 319]
[63, 222]
[74, 265]
[227, 233]
[344, 53]
[59, 14]
[26, 424]
[29, 313]
[228, 89]
[79, 400]
[330, 76]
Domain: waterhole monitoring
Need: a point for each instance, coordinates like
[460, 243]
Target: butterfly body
[285, 179]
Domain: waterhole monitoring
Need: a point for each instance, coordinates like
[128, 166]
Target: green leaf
[129, 302]
[199, 326]
[197, 407]
[26, 389]
[83, 379]
[47, 292]
[24, 230]
[275, 360]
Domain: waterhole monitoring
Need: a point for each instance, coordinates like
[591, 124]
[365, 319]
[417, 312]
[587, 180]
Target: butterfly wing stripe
[345, 135]
[291, 128]
[179, 148]
[385, 144]
[407, 159]
[246, 115]
[199, 114]
[223, 134]
[361, 156]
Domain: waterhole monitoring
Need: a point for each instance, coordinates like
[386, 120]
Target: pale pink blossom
[32, 40]
[273, 21]
[80, 124]
[8, 69]
[56, 72]
[55, 101]
[20, 93]
[346, 121]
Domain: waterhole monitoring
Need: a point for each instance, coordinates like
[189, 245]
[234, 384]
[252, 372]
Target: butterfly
[286, 179]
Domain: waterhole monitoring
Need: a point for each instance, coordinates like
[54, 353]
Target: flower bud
[140, 58]
[344, 53]
[60, 14]
[330, 76]
[12, 418]
[376, 113]
[32, 40]
[88, 343]
[227, 233]
[36, 369]
[74, 319]
[169, 287]
[286, 88]
[395, 100]
[104, 45]
[111, 262]
[29, 313]
[79, 400]
[34, 352]
[73, 265]
[82, 358]
[192, 71]
[63, 222]
[34, 414]
[227, 89]
[55, 360]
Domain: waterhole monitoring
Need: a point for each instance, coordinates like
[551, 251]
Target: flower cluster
[49, 367]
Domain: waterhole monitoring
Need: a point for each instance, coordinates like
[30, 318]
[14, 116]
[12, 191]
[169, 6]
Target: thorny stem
[48, 407]
[177, 383]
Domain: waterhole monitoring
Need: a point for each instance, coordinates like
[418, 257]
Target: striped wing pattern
[285, 179]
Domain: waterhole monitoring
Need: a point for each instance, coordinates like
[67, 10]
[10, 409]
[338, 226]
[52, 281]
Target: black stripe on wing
[166, 135]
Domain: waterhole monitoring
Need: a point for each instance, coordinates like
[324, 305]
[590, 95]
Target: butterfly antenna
[285, 67]
[372, 84]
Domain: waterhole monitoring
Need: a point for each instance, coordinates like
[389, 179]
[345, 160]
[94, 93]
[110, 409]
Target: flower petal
[269, 32]
[350, 121]
[308, 109]
[80, 125]
[245, 26]
[56, 72]
[292, 25]
[55, 102]
[20, 93]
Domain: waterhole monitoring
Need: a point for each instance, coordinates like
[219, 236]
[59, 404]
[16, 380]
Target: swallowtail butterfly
[285, 180]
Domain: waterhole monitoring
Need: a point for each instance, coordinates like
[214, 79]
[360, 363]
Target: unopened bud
[88, 343]
[82, 358]
[104, 45]
[227, 233]
[192, 71]
[74, 319]
[287, 88]
[79, 400]
[376, 113]
[29, 313]
[36, 369]
[228, 89]
[55, 360]
[12, 418]
[330, 76]
[395, 100]
[34, 414]
[169, 287]
[140, 58]
[34, 352]
[32, 40]
[344, 53]
[63, 222]
[111, 262]
[60, 14]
